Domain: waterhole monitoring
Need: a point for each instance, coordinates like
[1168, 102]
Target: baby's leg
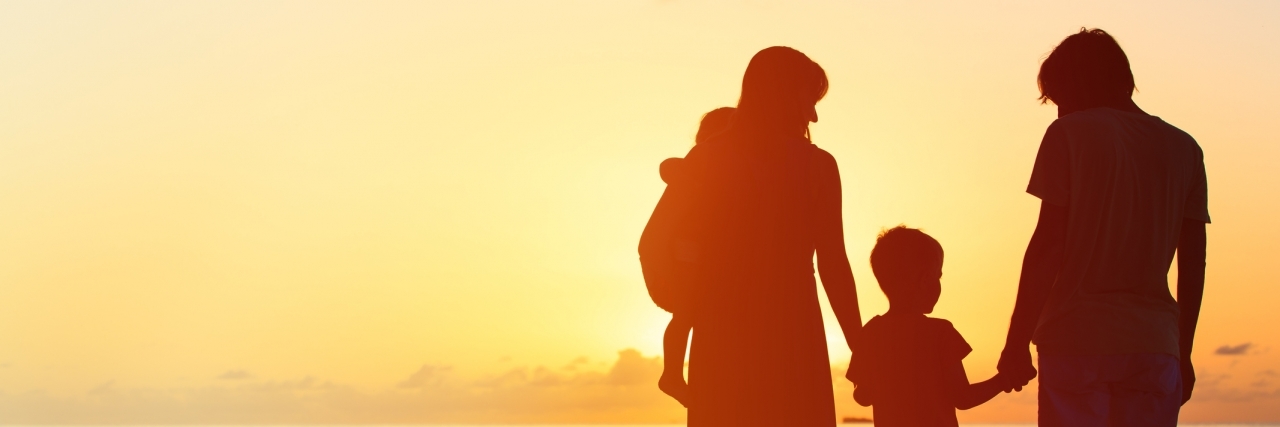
[674, 342]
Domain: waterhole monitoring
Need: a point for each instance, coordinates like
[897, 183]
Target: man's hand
[1016, 367]
[1191, 255]
[1188, 379]
[1006, 385]
[1040, 268]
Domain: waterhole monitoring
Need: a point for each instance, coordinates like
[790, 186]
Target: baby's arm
[863, 395]
[965, 395]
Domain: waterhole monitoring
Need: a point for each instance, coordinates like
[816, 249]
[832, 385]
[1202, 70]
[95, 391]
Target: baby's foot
[674, 386]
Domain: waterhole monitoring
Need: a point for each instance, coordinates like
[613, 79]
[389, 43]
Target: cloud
[427, 376]
[633, 368]
[1216, 388]
[576, 363]
[624, 391]
[103, 388]
[237, 374]
[1264, 379]
[1226, 395]
[1230, 350]
[621, 391]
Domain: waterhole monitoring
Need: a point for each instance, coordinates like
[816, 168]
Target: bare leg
[674, 341]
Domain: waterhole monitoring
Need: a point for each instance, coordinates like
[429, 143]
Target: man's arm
[1191, 263]
[1040, 267]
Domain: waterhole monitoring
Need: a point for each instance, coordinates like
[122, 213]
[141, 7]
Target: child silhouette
[676, 337]
[908, 366]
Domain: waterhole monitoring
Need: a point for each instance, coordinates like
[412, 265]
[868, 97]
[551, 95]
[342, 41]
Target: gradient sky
[428, 211]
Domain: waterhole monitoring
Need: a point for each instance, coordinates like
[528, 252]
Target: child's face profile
[920, 294]
[931, 284]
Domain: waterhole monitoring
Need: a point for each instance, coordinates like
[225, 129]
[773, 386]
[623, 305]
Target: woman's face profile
[805, 113]
[811, 113]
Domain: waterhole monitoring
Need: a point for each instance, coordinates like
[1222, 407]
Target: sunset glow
[428, 212]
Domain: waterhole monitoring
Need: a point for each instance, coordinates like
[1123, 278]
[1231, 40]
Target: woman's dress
[758, 355]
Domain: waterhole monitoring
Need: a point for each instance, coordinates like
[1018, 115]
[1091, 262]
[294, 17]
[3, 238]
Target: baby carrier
[670, 245]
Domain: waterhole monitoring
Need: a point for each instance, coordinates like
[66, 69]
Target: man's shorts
[1143, 389]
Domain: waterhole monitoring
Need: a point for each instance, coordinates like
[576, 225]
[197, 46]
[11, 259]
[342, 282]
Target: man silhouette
[1120, 192]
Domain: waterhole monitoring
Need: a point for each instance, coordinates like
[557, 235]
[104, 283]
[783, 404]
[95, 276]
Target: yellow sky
[397, 212]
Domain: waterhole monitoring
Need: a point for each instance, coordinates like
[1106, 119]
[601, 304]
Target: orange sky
[427, 211]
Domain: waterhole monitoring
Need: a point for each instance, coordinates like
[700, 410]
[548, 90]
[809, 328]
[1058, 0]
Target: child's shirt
[903, 360]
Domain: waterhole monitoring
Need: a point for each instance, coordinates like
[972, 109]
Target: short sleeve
[953, 346]
[1197, 207]
[1051, 175]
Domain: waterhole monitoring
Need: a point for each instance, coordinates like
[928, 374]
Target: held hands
[1015, 368]
[1005, 384]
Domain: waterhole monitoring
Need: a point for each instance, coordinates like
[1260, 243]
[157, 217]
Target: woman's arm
[833, 263]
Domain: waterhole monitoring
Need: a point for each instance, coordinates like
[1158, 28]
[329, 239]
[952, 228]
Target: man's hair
[901, 253]
[1088, 69]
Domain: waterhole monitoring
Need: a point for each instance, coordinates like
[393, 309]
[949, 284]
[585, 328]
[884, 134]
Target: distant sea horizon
[858, 423]
[572, 425]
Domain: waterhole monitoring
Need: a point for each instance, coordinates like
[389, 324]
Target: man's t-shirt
[902, 360]
[1128, 181]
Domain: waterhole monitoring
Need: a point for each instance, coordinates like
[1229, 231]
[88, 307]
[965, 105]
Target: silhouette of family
[729, 251]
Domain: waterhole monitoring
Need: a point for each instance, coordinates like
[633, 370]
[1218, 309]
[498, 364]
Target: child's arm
[965, 395]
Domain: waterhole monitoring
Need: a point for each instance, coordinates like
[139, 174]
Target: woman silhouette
[761, 199]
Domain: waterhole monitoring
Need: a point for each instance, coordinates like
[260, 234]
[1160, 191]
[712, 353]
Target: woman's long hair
[780, 84]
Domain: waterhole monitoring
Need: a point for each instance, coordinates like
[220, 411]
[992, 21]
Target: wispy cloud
[1213, 387]
[103, 388]
[427, 376]
[576, 393]
[1233, 350]
[579, 392]
[237, 374]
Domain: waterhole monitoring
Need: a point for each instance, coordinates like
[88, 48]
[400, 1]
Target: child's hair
[713, 123]
[899, 254]
[1088, 69]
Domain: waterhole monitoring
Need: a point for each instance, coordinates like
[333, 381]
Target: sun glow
[409, 212]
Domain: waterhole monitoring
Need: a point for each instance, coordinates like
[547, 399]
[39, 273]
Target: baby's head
[713, 123]
[908, 265]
